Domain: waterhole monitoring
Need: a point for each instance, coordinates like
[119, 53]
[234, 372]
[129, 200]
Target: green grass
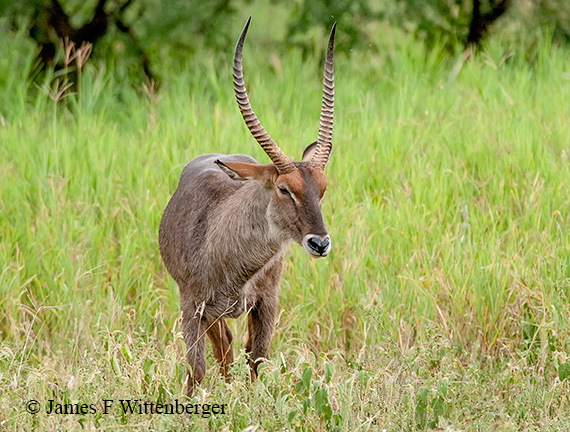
[443, 304]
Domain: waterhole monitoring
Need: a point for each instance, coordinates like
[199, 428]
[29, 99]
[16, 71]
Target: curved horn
[324, 140]
[279, 159]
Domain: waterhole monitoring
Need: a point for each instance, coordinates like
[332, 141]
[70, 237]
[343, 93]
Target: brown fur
[222, 238]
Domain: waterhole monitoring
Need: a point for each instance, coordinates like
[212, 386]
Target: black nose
[319, 245]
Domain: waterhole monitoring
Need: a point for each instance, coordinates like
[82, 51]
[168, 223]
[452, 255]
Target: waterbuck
[223, 234]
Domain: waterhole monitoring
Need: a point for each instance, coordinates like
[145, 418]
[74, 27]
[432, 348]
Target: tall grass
[444, 302]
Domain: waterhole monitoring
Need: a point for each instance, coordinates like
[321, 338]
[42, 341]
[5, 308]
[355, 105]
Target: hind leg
[221, 338]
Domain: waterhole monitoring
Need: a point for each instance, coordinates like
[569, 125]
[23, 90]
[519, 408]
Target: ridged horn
[279, 159]
[324, 140]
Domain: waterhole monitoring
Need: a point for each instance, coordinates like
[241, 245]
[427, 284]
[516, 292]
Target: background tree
[148, 25]
[148, 33]
[483, 16]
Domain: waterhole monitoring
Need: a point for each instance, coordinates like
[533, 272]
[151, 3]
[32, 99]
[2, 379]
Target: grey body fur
[220, 247]
[213, 219]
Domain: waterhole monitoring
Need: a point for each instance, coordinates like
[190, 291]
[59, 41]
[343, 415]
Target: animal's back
[204, 167]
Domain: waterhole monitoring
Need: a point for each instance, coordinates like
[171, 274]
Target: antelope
[223, 234]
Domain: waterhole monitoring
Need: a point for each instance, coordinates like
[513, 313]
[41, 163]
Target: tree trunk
[481, 22]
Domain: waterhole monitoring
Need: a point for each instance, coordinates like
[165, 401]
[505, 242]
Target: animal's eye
[284, 190]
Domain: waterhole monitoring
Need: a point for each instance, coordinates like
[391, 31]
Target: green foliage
[313, 394]
[177, 28]
[351, 16]
[173, 34]
[430, 405]
[164, 31]
[554, 14]
[439, 21]
[564, 371]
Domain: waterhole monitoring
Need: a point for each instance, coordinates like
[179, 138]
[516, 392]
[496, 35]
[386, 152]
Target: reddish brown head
[297, 187]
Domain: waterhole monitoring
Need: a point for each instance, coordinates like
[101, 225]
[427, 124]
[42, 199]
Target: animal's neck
[240, 236]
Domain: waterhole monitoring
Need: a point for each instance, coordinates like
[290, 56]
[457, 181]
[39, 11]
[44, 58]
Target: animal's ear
[242, 171]
[309, 152]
